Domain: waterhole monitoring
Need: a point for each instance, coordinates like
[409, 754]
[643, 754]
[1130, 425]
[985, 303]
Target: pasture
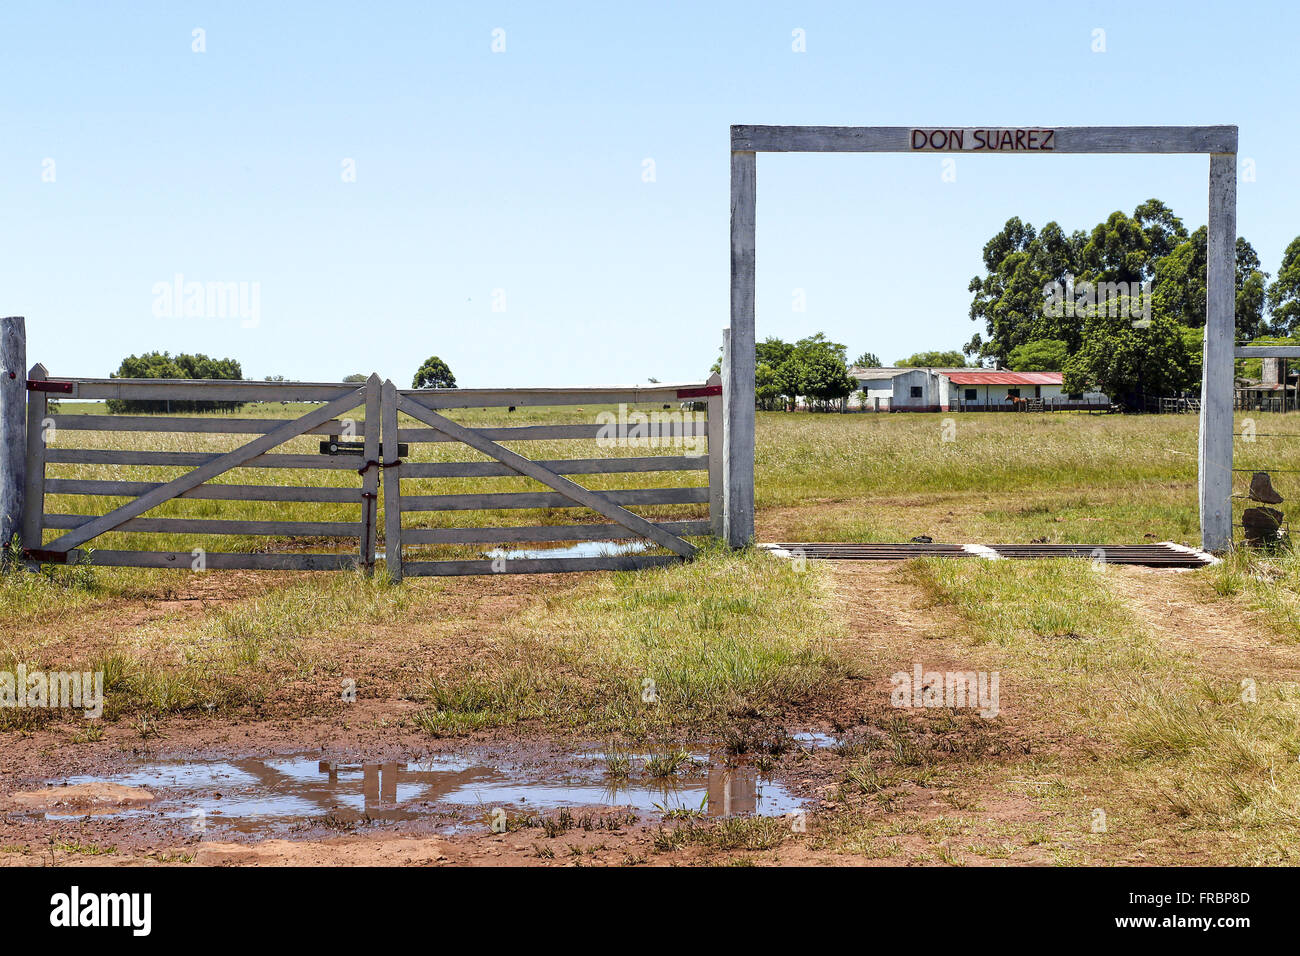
[1166, 700]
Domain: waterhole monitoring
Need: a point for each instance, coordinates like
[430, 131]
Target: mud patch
[265, 797]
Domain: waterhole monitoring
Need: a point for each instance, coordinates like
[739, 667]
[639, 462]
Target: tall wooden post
[370, 480]
[1215, 445]
[392, 484]
[738, 376]
[13, 424]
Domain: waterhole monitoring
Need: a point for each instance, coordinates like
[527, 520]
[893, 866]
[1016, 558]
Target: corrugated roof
[858, 371]
[993, 377]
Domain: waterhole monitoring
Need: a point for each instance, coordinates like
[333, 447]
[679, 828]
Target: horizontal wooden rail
[313, 529]
[213, 561]
[1065, 139]
[160, 459]
[563, 466]
[667, 430]
[595, 395]
[612, 562]
[557, 532]
[1267, 351]
[133, 489]
[163, 423]
[550, 499]
[207, 390]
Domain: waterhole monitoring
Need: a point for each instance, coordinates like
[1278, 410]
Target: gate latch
[358, 448]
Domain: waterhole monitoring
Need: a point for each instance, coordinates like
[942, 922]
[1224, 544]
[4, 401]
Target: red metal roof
[991, 377]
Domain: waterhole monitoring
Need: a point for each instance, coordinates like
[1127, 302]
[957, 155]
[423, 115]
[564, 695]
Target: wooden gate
[701, 418]
[79, 529]
[688, 413]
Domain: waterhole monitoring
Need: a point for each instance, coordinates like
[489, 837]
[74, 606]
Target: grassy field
[1166, 700]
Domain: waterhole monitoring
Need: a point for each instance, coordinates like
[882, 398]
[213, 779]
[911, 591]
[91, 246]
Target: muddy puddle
[583, 549]
[277, 795]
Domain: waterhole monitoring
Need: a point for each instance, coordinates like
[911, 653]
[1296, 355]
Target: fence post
[1215, 445]
[717, 447]
[13, 424]
[370, 482]
[392, 485]
[38, 404]
[738, 387]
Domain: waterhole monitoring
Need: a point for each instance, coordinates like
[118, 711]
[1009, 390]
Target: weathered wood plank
[392, 484]
[1066, 139]
[524, 397]
[594, 500]
[1267, 351]
[738, 391]
[370, 478]
[666, 430]
[1216, 427]
[169, 459]
[13, 426]
[548, 499]
[206, 472]
[133, 489]
[558, 532]
[717, 447]
[34, 497]
[561, 466]
[619, 562]
[209, 390]
[316, 529]
[162, 423]
[218, 561]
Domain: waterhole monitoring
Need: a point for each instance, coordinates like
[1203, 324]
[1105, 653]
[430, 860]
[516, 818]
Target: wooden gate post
[1215, 445]
[13, 425]
[370, 480]
[392, 484]
[738, 376]
[717, 455]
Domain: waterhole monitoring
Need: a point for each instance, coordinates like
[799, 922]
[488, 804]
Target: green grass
[729, 635]
[1004, 478]
[1265, 581]
[1171, 740]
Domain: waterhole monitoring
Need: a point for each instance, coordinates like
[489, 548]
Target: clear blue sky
[523, 170]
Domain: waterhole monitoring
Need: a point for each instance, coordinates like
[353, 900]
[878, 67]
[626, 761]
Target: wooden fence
[382, 450]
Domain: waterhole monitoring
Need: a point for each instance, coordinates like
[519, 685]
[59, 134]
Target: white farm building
[963, 389]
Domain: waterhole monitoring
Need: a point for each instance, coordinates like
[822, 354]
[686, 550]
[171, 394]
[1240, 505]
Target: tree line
[433, 373]
[1040, 300]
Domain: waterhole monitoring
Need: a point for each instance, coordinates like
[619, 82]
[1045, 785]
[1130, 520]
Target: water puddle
[450, 791]
[583, 549]
[816, 740]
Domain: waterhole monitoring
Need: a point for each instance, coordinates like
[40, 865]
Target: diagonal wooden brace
[531, 469]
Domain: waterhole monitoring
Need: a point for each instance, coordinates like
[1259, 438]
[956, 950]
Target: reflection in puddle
[583, 549]
[255, 795]
[816, 740]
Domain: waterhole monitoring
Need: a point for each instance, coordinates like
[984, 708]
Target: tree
[766, 390]
[1041, 355]
[434, 373]
[813, 367]
[1129, 360]
[1284, 293]
[867, 360]
[356, 378]
[161, 365]
[1179, 285]
[950, 359]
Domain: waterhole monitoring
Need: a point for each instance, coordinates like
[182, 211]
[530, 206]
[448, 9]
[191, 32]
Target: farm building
[1274, 392]
[965, 389]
